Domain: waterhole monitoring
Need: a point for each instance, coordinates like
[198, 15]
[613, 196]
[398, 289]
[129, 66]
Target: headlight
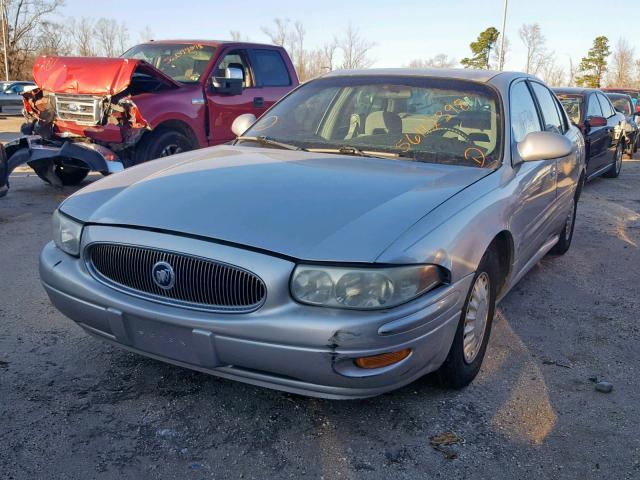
[66, 233]
[362, 288]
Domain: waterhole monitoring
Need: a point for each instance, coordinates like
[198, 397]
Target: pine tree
[594, 65]
[481, 49]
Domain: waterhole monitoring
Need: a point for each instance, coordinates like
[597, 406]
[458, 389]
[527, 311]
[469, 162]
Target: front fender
[457, 233]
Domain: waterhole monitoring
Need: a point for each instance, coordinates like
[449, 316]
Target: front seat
[379, 123]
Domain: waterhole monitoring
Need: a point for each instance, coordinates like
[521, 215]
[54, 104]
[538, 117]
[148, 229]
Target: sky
[402, 30]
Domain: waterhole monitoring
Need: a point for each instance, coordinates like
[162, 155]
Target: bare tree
[573, 71]
[552, 73]
[82, 36]
[52, 40]
[355, 49]
[280, 33]
[535, 43]
[439, 61]
[238, 36]
[21, 23]
[622, 65]
[113, 38]
[146, 34]
[321, 60]
[495, 54]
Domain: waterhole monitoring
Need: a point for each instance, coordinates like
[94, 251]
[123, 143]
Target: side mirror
[544, 146]
[242, 123]
[596, 121]
[230, 83]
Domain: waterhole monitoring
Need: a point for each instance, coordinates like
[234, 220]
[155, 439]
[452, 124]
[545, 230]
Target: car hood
[304, 205]
[91, 75]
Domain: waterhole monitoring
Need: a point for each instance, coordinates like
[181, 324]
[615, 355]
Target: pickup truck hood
[304, 205]
[91, 75]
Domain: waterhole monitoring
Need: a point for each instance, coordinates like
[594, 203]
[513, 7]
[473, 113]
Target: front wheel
[161, 143]
[474, 328]
[616, 166]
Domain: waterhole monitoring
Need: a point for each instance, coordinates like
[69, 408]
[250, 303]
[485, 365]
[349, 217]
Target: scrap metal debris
[441, 441]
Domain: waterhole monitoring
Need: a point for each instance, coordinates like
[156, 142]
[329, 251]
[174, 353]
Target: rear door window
[270, 69]
[550, 114]
[607, 109]
[593, 107]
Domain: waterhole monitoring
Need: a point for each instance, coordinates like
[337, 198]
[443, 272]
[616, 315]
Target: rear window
[270, 69]
[572, 105]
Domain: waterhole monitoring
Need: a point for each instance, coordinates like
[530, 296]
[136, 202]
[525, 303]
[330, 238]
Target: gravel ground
[72, 407]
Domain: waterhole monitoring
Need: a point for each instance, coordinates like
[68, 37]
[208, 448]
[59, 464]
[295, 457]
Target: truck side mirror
[230, 83]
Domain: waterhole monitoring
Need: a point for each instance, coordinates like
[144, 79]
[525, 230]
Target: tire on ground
[161, 143]
[614, 171]
[456, 372]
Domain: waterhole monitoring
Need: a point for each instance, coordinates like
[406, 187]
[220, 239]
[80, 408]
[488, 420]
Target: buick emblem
[163, 275]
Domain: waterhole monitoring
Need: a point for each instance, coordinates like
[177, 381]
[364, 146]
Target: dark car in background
[602, 126]
[623, 103]
[634, 93]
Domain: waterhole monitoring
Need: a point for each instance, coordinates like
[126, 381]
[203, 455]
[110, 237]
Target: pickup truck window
[185, 62]
[235, 59]
[269, 69]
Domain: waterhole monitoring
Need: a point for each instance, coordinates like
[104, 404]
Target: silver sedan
[354, 238]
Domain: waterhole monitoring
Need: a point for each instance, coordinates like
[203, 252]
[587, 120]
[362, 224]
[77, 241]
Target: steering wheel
[455, 131]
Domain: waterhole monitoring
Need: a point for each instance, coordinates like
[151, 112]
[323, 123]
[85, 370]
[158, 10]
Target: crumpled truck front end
[83, 116]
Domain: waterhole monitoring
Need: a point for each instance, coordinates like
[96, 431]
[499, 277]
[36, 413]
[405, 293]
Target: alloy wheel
[170, 149]
[568, 226]
[476, 317]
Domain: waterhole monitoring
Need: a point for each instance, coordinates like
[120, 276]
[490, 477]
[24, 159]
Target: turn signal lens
[383, 360]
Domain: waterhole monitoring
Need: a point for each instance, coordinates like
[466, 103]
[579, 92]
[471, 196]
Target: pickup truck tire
[66, 175]
[161, 143]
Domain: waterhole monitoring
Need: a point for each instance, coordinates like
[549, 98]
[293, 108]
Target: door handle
[258, 102]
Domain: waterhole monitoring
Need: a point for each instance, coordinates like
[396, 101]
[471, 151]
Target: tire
[460, 368]
[566, 234]
[616, 166]
[67, 175]
[161, 143]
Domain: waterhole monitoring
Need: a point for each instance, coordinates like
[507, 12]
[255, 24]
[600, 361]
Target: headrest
[382, 122]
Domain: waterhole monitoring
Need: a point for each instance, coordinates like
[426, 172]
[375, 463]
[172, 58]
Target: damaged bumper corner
[39, 154]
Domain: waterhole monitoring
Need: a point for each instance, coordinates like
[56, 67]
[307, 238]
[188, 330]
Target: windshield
[183, 62]
[432, 120]
[572, 105]
[622, 104]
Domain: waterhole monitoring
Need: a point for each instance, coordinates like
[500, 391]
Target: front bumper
[283, 345]
[67, 153]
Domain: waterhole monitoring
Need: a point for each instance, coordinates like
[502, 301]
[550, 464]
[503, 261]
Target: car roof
[208, 43]
[575, 90]
[483, 76]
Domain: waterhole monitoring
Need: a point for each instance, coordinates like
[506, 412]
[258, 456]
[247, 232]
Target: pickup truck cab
[159, 98]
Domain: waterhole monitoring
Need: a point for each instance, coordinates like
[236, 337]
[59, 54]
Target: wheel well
[179, 126]
[502, 245]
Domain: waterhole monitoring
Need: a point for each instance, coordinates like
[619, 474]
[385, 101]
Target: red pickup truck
[159, 98]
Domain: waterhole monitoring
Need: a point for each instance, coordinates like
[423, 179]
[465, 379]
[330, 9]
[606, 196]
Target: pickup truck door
[223, 108]
[266, 80]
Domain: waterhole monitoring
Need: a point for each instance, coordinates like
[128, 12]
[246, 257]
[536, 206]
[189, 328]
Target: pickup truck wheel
[161, 143]
[474, 328]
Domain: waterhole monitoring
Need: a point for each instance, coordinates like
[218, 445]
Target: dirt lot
[72, 407]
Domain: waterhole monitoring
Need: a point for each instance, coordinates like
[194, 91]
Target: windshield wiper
[264, 140]
[351, 150]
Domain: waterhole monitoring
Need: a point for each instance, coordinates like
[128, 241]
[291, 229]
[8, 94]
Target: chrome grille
[199, 283]
[83, 109]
